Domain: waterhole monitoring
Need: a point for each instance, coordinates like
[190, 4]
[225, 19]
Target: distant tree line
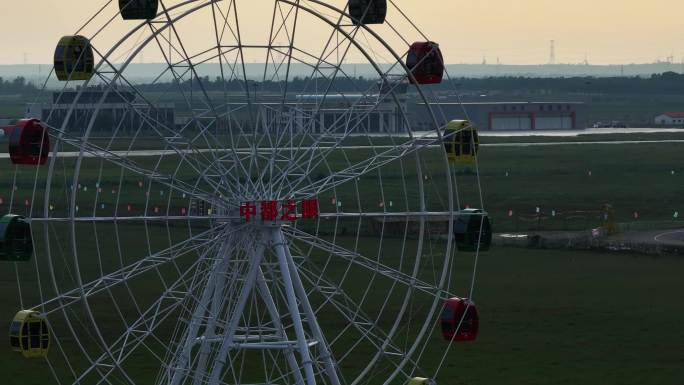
[668, 83]
[296, 85]
[665, 83]
[16, 86]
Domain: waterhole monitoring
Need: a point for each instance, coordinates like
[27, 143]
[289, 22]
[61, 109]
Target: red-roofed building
[670, 119]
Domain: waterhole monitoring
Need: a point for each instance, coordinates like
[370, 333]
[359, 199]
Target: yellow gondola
[74, 59]
[138, 9]
[461, 141]
[30, 334]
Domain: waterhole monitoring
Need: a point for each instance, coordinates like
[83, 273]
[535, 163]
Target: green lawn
[548, 317]
[567, 317]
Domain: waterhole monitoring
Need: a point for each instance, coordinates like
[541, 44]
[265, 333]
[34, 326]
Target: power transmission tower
[552, 52]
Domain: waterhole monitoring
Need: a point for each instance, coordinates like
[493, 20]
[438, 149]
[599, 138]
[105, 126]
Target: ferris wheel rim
[73, 217]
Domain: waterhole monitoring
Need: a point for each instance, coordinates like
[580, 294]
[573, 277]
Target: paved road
[149, 153]
[673, 238]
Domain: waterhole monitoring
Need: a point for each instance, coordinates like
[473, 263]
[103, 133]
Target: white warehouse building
[670, 119]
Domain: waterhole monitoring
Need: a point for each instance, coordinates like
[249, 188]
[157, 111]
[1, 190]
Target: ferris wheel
[254, 212]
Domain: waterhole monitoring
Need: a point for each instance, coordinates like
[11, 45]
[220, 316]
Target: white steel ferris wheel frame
[254, 240]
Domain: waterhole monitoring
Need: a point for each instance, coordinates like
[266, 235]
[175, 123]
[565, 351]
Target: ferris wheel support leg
[255, 257]
[181, 368]
[280, 249]
[288, 266]
[217, 303]
[273, 312]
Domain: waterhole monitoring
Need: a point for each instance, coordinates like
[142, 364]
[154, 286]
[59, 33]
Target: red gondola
[426, 63]
[28, 142]
[460, 320]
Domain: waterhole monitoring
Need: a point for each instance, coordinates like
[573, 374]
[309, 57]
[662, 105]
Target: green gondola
[16, 243]
[472, 228]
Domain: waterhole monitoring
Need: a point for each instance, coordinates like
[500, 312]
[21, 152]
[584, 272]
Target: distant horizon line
[448, 64]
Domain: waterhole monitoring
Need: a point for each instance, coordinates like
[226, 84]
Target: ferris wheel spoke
[408, 216]
[211, 108]
[327, 142]
[186, 149]
[364, 262]
[351, 310]
[128, 164]
[142, 218]
[364, 167]
[291, 40]
[291, 165]
[155, 315]
[127, 273]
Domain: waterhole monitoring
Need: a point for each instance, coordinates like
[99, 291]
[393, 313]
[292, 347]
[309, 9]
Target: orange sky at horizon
[514, 31]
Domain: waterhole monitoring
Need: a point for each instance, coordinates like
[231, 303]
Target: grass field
[642, 178]
[548, 317]
[561, 317]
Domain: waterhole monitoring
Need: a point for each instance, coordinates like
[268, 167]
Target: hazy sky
[515, 31]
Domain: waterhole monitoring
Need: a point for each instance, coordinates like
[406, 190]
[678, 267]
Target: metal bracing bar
[279, 345]
[272, 309]
[328, 360]
[185, 350]
[241, 339]
[209, 330]
[217, 304]
[257, 254]
[280, 249]
[367, 263]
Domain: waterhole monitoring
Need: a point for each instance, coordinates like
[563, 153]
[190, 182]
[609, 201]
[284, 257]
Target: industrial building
[501, 116]
[379, 112]
[333, 113]
[117, 111]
